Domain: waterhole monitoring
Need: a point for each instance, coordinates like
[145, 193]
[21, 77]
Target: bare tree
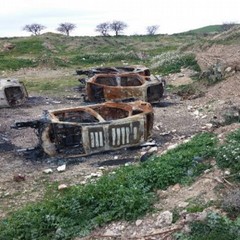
[66, 28]
[103, 28]
[34, 28]
[151, 30]
[227, 25]
[117, 27]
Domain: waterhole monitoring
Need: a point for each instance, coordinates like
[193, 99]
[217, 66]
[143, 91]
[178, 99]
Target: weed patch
[228, 154]
[214, 227]
[26, 46]
[15, 63]
[231, 203]
[188, 91]
[51, 86]
[103, 58]
[172, 62]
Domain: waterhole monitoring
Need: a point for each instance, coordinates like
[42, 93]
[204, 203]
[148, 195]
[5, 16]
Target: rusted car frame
[124, 87]
[12, 93]
[91, 129]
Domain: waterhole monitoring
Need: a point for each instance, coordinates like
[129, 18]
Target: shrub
[231, 203]
[188, 91]
[228, 154]
[214, 227]
[172, 62]
[232, 115]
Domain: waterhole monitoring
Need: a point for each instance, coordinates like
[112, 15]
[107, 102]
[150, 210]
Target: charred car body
[122, 84]
[12, 93]
[91, 129]
[124, 87]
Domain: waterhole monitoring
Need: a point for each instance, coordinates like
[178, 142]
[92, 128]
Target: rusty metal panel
[91, 129]
[12, 93]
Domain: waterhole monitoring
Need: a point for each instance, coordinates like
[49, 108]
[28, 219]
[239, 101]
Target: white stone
[61, 168]
[207, 171]
[47, 171]
[227, 172]
[209, 125]
[138, 222]
[196, 112]
[62, 186]
[228, 69]
[183, 204]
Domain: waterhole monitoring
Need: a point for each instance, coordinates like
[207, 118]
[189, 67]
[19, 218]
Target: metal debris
[91, 129]
[12, 93]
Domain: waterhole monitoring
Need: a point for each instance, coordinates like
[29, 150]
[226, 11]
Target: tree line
[103, 28]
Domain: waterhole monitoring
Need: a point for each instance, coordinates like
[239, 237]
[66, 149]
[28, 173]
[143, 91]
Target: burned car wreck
[121, 84]
[124, 87]
[12, 93]
[91, 129]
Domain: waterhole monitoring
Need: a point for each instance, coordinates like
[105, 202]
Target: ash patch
[6, 147]
[115, 162]
[5, 144]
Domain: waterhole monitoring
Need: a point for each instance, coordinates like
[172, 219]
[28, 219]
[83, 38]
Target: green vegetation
[26, 46]
[214, 227]
[15, 63]
[188, 91]
[231, 203]
[105, 58]
[54, 50]
[53, 85]
[172, 62]
[207, 29]
[126, 194]
[197, 204]
[228, 155]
